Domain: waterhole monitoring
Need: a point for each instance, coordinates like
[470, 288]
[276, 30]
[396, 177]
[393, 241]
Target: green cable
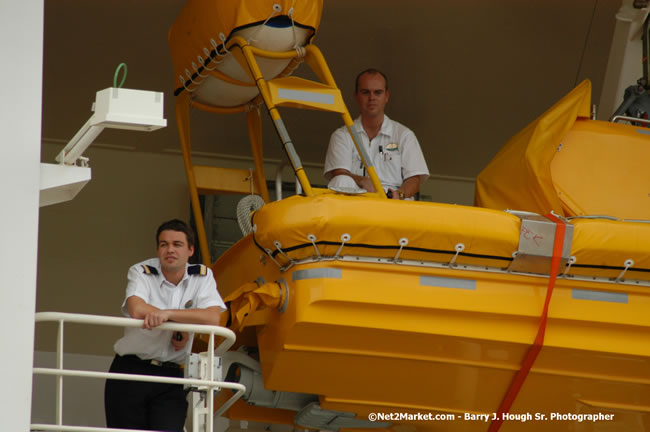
[117, 71]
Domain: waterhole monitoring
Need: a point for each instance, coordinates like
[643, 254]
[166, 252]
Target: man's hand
[155, 318]
[361, 181]
[365, 183]
[179, 344]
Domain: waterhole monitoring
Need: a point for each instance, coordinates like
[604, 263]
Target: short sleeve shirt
[395, 152]
[196, 291]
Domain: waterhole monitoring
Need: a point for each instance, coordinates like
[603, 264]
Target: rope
[196, 69]
[245, 207]
[223, 43]
[276, 9]
[117, 71]
[293, 27]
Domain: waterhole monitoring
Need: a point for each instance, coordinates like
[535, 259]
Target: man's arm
[340, 156]
[410, 187]
[414, 166]
[153, 317]
[361, 181]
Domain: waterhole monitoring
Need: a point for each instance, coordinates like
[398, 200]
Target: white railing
[209, 385]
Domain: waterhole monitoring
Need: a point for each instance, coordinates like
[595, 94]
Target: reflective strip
[288, 145]
[284, 135]
[580, 294]
[317, 273]
[305, 96]
[643, 131]
[433, 281]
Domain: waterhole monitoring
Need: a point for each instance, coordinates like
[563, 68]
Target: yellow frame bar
[315, 60]
[253, 68]
[183, 123]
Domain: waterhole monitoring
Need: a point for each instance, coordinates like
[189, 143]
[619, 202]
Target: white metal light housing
[114, 108]
[117, 108]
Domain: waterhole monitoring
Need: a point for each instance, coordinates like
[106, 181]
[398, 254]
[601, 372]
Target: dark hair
[371, 71]
[177, 225]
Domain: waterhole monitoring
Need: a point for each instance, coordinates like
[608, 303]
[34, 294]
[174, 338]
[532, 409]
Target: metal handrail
[278, 180]
[210, 384]
[616, 118]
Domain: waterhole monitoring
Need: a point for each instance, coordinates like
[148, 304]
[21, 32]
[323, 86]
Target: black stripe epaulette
[197, 269]
[150, 270]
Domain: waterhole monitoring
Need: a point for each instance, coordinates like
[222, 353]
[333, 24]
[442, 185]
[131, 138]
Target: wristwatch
[401, 194]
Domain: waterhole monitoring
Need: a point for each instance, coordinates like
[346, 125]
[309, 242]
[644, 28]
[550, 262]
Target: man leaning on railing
[161, 289]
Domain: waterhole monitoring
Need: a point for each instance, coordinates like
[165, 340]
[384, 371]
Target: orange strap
[533, 351]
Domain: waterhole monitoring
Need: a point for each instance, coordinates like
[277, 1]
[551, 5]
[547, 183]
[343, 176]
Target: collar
[386, 126]
[158, 272]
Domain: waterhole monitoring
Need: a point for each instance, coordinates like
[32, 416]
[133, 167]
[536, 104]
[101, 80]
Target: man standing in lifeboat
[393, 148]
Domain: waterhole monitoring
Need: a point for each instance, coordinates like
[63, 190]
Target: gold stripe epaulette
[147, 269]
[197, 269]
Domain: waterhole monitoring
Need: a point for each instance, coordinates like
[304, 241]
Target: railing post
[210, 395]
[59, 378]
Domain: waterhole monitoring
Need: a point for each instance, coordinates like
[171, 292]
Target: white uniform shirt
[395, 152]
[193, 292]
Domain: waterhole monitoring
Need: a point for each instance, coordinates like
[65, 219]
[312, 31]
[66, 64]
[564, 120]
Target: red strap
[534, 350]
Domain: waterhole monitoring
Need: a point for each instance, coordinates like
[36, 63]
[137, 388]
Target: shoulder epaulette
[147, 269]
[197, 269]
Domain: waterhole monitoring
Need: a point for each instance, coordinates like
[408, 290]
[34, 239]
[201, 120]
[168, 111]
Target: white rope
[276, 9]
[191, 81]
[216, 59]
[186, 87]
[223, 44]
[459, 248]
[278, 246]
[302, 52]
[344, 238]
[215, 45]
[628, 263]
[205, 66]
[312, 239]
[572, 260]
[293, 27]
[196, 69]
[514, 257]
[402, 242]
[269, 252]
[245, 207]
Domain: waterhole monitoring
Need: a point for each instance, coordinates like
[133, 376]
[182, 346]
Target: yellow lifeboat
[358, 312]
[200, 37]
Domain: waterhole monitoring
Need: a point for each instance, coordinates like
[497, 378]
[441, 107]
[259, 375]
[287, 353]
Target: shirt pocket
[391, 167]
[357, 164]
